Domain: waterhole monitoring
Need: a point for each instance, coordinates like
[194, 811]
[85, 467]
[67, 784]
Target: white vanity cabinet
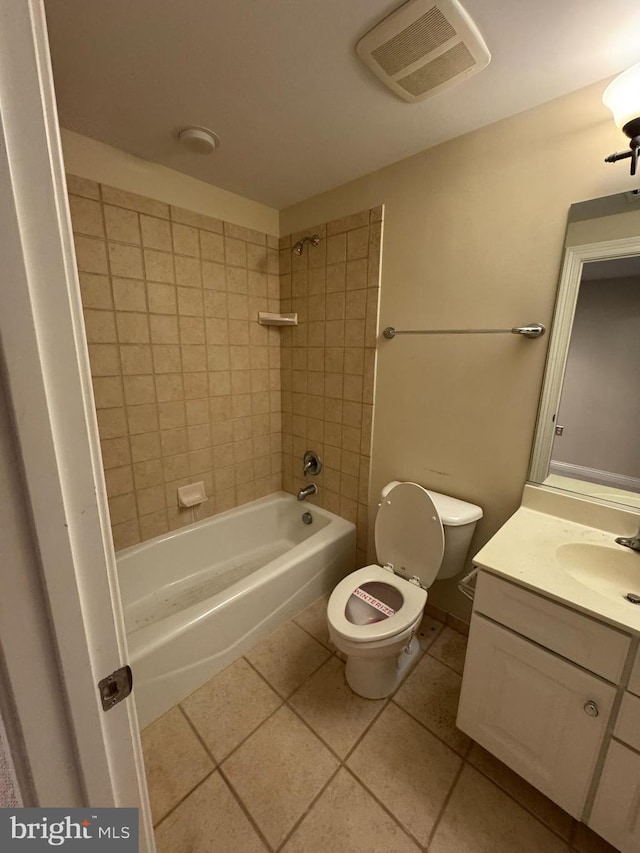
[541, 690]
[616, 809]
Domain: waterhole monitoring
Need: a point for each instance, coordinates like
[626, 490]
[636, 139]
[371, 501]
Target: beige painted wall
[88, 158]
[474, 231]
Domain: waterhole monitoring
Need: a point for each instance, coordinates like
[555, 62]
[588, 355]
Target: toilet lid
[409, 534]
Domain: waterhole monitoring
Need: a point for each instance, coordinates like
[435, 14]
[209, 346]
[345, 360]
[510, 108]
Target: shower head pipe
[299, 246]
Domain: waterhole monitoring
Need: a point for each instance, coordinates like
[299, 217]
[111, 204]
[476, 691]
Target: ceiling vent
[424, 47]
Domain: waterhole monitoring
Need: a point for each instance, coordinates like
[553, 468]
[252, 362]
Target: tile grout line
[223, 775]
[304, 681]
[183, 799]
[244, 809]
[309, 808]
[447, 799]
[379, 802]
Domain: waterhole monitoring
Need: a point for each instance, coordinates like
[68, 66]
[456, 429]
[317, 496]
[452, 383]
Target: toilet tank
[459, 520]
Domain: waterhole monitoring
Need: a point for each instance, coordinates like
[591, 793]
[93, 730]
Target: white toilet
[374, 612]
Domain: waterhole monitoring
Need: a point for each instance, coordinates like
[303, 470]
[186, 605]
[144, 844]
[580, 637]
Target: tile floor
[276, 753]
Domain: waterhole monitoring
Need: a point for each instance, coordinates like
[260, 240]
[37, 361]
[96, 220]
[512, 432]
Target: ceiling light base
[199, 140]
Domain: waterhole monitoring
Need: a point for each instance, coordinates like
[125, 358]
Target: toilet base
[377, 678]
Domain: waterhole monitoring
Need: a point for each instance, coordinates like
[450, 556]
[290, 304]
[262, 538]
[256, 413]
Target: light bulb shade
[622, 97]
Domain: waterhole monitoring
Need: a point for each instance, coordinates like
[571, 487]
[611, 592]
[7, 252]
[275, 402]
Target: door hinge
[115, 687]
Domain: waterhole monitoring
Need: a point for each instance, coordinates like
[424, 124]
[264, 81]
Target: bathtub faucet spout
[307, 491]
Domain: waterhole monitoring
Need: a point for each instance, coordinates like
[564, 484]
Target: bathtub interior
[178, 570]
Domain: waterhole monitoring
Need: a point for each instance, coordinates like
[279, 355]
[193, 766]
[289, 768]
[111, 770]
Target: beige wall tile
[145, 446]
[151, 350]
[346, 223]
[188, 271]
[83, 187]
[129, 295]
[166, 359]
[146, 474]
[169, 386]
[115, 452]
[133, 201]
[212, 246]
[213, 276]
[172, 414]
[122, 508]
[132, 328]
[164, 329]
[112, 423]
[185, 240]
[138, 390]
[159, 266]
[119, 480]
[122, 225]
[135, 359]
[142, 418]
[235, 252]
[95, 290]
[196, 220]
[125, 534]
[162, 298]
[86, 216]
[107, 391]
[154, 524]
[246, 234]
[125, 261]
[195, 385]
[156, 233]
[91, 254]
[190, 302]
[100, 326]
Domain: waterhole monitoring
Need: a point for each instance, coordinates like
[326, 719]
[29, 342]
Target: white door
[531, 709]
[47, 382]
[616, 810]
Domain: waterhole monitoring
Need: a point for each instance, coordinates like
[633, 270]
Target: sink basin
[607, 570]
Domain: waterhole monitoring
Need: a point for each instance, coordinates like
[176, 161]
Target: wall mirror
[588, 432]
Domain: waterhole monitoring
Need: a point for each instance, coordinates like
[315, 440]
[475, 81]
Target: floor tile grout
[182, 800]
[285, 701]
[245, 810]
[302, 817]
[447, 799]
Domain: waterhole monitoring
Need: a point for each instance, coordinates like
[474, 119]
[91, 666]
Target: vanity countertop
[573, 563]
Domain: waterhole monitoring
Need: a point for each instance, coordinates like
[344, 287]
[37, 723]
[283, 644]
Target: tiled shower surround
[187, 384]
[328, 361]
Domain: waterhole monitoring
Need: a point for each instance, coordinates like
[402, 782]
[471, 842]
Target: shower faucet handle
[311, 463]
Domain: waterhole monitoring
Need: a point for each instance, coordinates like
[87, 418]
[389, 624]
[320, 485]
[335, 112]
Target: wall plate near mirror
[588, 432]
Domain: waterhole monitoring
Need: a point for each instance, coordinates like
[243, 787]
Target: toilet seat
[414, 600]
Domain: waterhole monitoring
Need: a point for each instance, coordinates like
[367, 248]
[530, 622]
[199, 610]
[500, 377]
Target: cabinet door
[532, 710]
[616, 810]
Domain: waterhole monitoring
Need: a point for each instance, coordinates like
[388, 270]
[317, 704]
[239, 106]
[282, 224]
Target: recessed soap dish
[192, 495]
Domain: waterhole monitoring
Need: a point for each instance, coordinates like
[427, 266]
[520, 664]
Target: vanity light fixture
[622, 97]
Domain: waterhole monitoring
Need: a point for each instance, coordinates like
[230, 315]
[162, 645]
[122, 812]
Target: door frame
[49, 394]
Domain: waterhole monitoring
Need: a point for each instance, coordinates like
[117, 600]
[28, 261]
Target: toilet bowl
[374, 613]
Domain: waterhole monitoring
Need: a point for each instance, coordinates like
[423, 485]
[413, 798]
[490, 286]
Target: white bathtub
[197, 599]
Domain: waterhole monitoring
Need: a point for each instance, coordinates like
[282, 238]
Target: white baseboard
[594, 475]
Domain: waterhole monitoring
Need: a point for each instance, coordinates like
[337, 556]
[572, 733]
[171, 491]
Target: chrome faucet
[309, 490]
[632, 542]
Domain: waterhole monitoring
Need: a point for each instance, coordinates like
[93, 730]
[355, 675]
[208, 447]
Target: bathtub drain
[307, 518]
